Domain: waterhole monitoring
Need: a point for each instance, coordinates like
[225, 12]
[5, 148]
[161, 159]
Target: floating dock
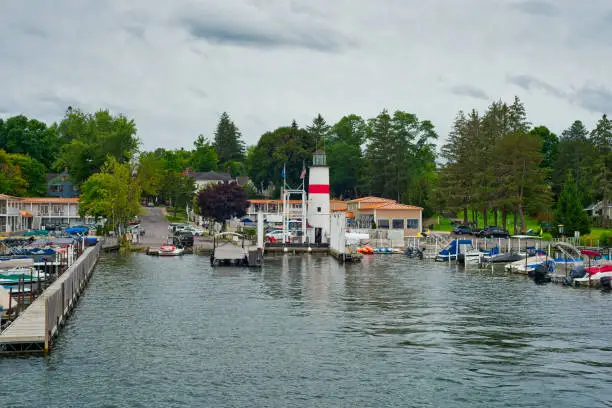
[227, 251]
[33, 331]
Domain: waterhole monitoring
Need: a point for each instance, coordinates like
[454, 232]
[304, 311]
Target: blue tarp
[77, 230]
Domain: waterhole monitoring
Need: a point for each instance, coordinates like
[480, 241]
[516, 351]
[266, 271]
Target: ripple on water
[304, 331]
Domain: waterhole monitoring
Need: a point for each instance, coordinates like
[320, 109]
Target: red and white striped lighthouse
[318, 199]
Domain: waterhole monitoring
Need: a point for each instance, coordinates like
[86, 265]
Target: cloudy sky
[174, 66]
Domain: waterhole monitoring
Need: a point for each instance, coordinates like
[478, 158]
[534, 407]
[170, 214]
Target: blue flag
[283, 173]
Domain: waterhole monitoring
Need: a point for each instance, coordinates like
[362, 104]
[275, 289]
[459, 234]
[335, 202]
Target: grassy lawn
[444, 224]
[530, 223]
[179, 218]
[180, 215]
[597, 236]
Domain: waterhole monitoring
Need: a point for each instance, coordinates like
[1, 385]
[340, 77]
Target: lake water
[305, 331]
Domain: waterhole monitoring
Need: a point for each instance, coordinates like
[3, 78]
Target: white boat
[170, 250]
[525, 265]
[594, 274]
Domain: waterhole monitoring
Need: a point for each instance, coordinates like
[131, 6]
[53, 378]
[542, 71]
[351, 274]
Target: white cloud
[175, 66]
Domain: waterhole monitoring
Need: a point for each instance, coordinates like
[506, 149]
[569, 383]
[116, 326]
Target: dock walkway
[34, 329]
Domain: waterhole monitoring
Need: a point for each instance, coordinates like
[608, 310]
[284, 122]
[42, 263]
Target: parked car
[175, 226]
[279, 235]
[462, 229]
[183, 238]
[494, 232]
[194, 230]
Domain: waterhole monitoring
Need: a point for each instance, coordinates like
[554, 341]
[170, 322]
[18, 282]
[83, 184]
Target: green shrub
[250, 233]
[605, 240]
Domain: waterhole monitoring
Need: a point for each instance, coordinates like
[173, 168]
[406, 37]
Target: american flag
[303, 174]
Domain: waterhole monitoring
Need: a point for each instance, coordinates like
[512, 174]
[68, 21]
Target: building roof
[211, 176]
[397, 206]
[6, 196]
[371, 199]
[372, 206]
[50, 200]
[337, 205]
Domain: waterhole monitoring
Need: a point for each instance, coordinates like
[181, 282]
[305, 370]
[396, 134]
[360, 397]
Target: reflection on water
[305, 331]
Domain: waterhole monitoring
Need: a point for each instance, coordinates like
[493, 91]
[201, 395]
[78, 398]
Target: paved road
[155, 225]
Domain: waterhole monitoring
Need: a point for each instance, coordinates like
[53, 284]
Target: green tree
[175, 160]
[20, 135]
[398, 153]
[570, 211]
[33, 172]
[457, 178]
[518, 160]
[113, 193]
[228, 141]
[150, 173]
[318, 131]
[576, 155]
[88, 140]
[12, 181]
[178, 189]
[601, 139]
[345, 156]
[286, 146]
[204, 157]
[550, 143]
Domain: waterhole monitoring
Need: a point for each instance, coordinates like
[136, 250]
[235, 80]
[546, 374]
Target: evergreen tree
[575, 154]
[204, 157]
[550, 143]
[570, 211]
[318, 131]
[396, 148]
[601, 138]
[228, 141]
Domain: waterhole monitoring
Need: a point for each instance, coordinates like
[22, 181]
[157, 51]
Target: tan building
[23, 213]
[387, 214]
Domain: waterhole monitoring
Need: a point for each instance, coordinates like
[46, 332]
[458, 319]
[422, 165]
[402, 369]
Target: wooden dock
[34, 329]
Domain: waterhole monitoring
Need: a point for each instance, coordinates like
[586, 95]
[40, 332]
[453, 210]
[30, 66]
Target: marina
[34, 329]
[390, 330]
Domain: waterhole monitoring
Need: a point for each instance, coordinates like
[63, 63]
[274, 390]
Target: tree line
[495, 162]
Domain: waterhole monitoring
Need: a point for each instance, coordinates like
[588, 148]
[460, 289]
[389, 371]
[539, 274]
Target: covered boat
[455, 249]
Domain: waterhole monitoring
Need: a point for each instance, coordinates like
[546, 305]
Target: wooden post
[10, 310]
[47, 331]
[31, 285]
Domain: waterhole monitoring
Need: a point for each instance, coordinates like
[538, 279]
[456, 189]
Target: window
[412, 223]
[56, 188]
[383, 224]
[318, 209]
[398, 223]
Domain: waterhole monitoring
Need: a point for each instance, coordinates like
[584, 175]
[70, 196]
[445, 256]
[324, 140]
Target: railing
[65, 290]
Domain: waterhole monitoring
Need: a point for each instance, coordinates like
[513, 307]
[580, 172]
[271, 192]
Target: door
[318, 234]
